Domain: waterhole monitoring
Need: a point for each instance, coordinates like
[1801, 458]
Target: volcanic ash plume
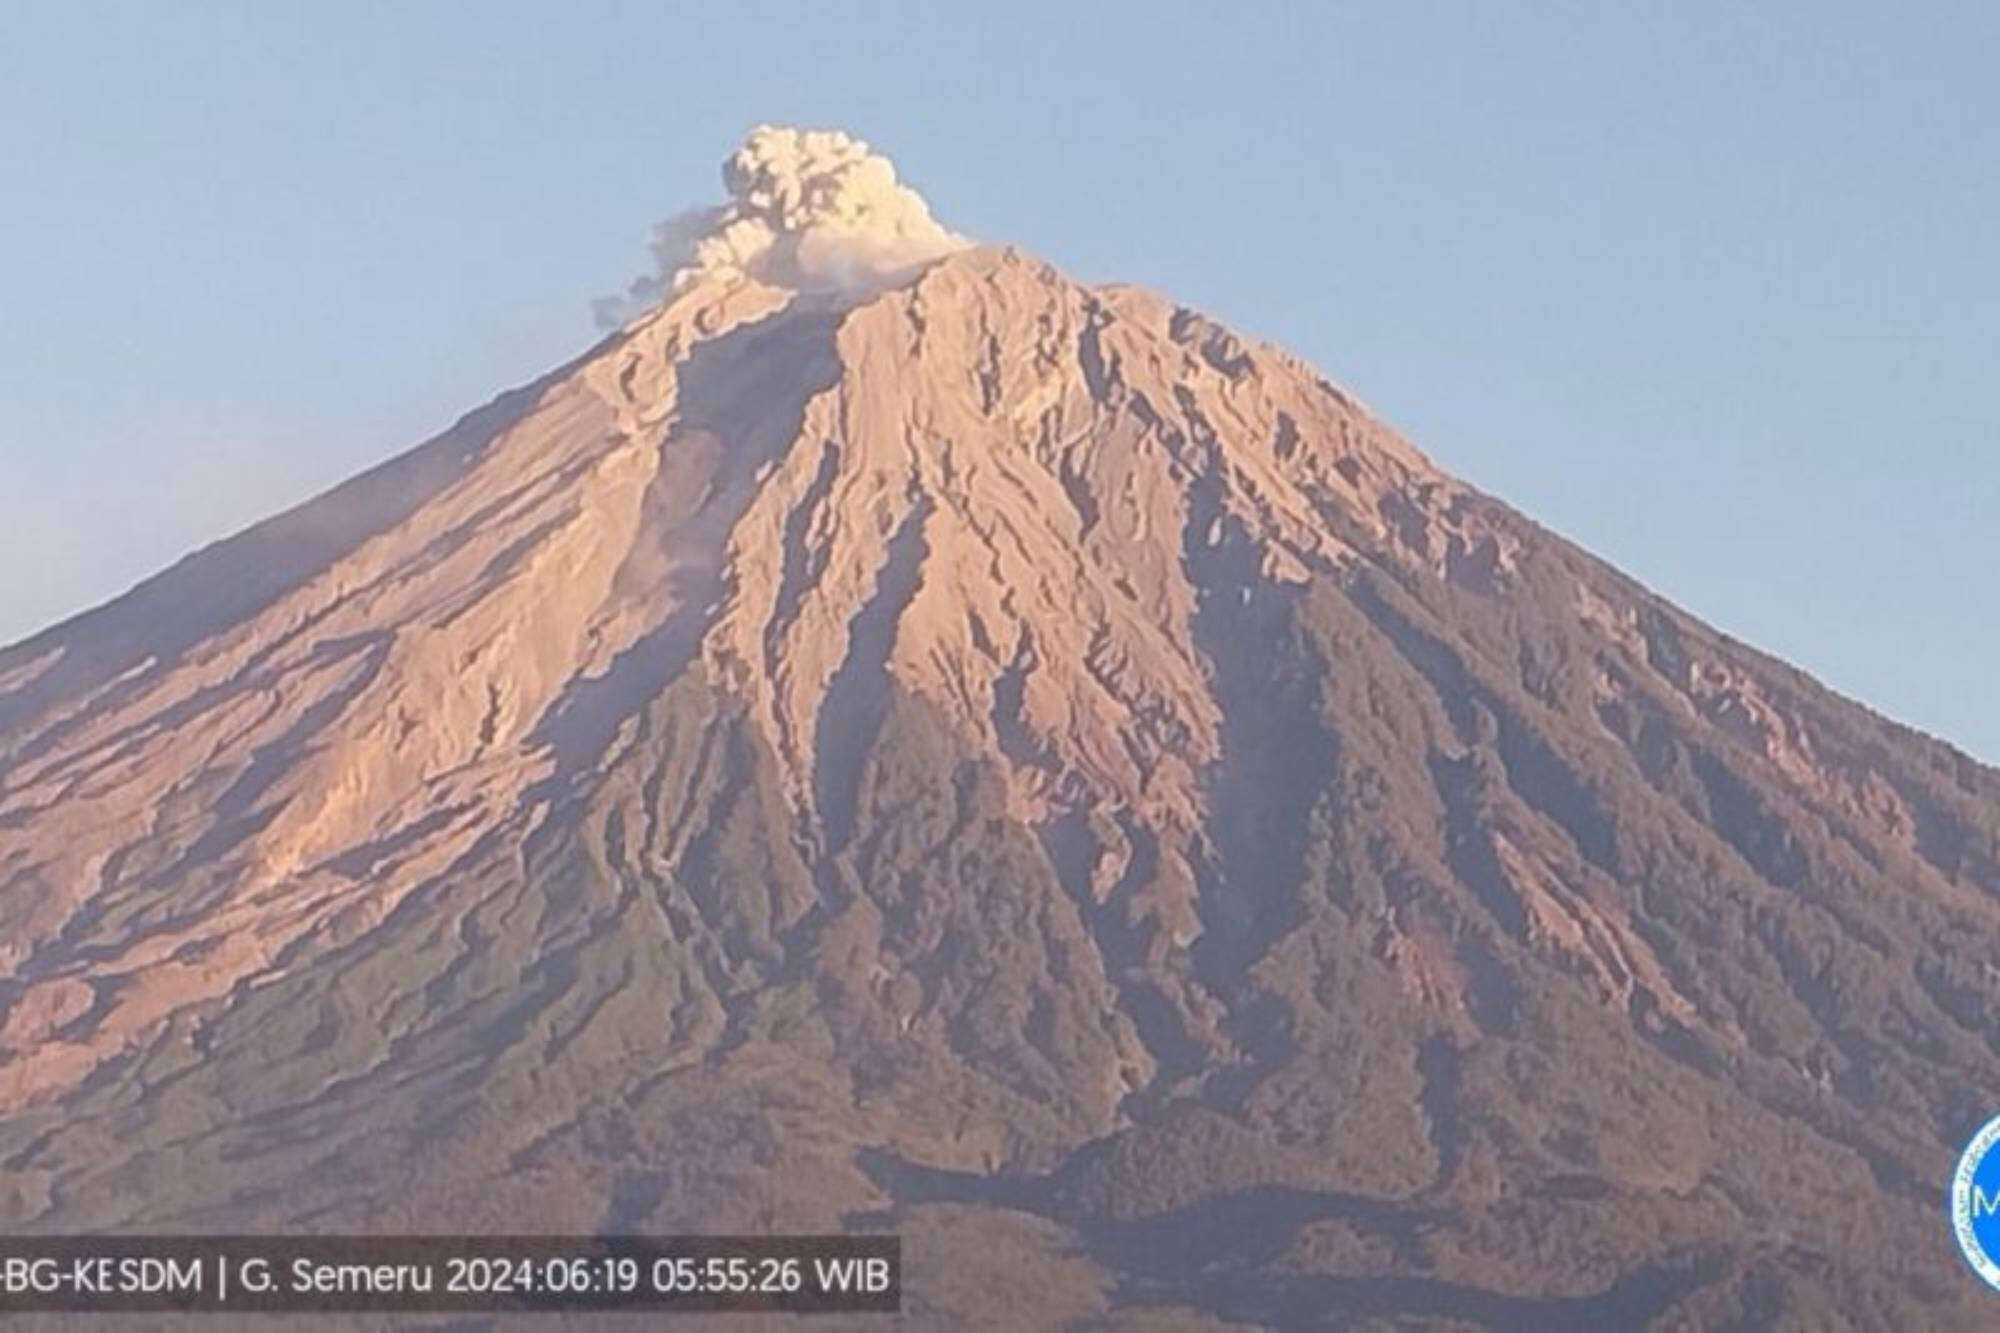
[812, 210]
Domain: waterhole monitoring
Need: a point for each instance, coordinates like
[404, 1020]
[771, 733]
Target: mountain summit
[895, 738]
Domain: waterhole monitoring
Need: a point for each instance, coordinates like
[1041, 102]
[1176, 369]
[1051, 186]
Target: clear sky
[1710, 287]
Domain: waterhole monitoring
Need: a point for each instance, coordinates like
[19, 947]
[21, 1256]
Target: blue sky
[1710, 288]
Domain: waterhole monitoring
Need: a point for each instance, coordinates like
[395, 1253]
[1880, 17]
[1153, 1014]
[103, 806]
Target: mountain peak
[895, 729]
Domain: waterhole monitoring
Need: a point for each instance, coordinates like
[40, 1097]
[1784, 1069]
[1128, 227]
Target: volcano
[893, 738]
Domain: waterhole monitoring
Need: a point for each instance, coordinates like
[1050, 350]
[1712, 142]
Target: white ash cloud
[812, 210]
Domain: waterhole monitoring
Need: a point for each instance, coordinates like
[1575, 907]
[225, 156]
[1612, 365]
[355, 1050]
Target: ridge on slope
[1017, 762]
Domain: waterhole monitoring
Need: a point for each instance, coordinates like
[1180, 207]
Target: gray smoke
[812, 210]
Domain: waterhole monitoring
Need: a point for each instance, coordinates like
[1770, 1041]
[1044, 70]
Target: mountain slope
[1017, 763]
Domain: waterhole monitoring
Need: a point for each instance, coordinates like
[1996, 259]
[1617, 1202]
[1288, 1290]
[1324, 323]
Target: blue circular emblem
[1975, 1203]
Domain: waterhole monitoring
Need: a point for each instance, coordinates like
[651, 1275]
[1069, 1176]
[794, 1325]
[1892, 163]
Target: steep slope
[1017, 763]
